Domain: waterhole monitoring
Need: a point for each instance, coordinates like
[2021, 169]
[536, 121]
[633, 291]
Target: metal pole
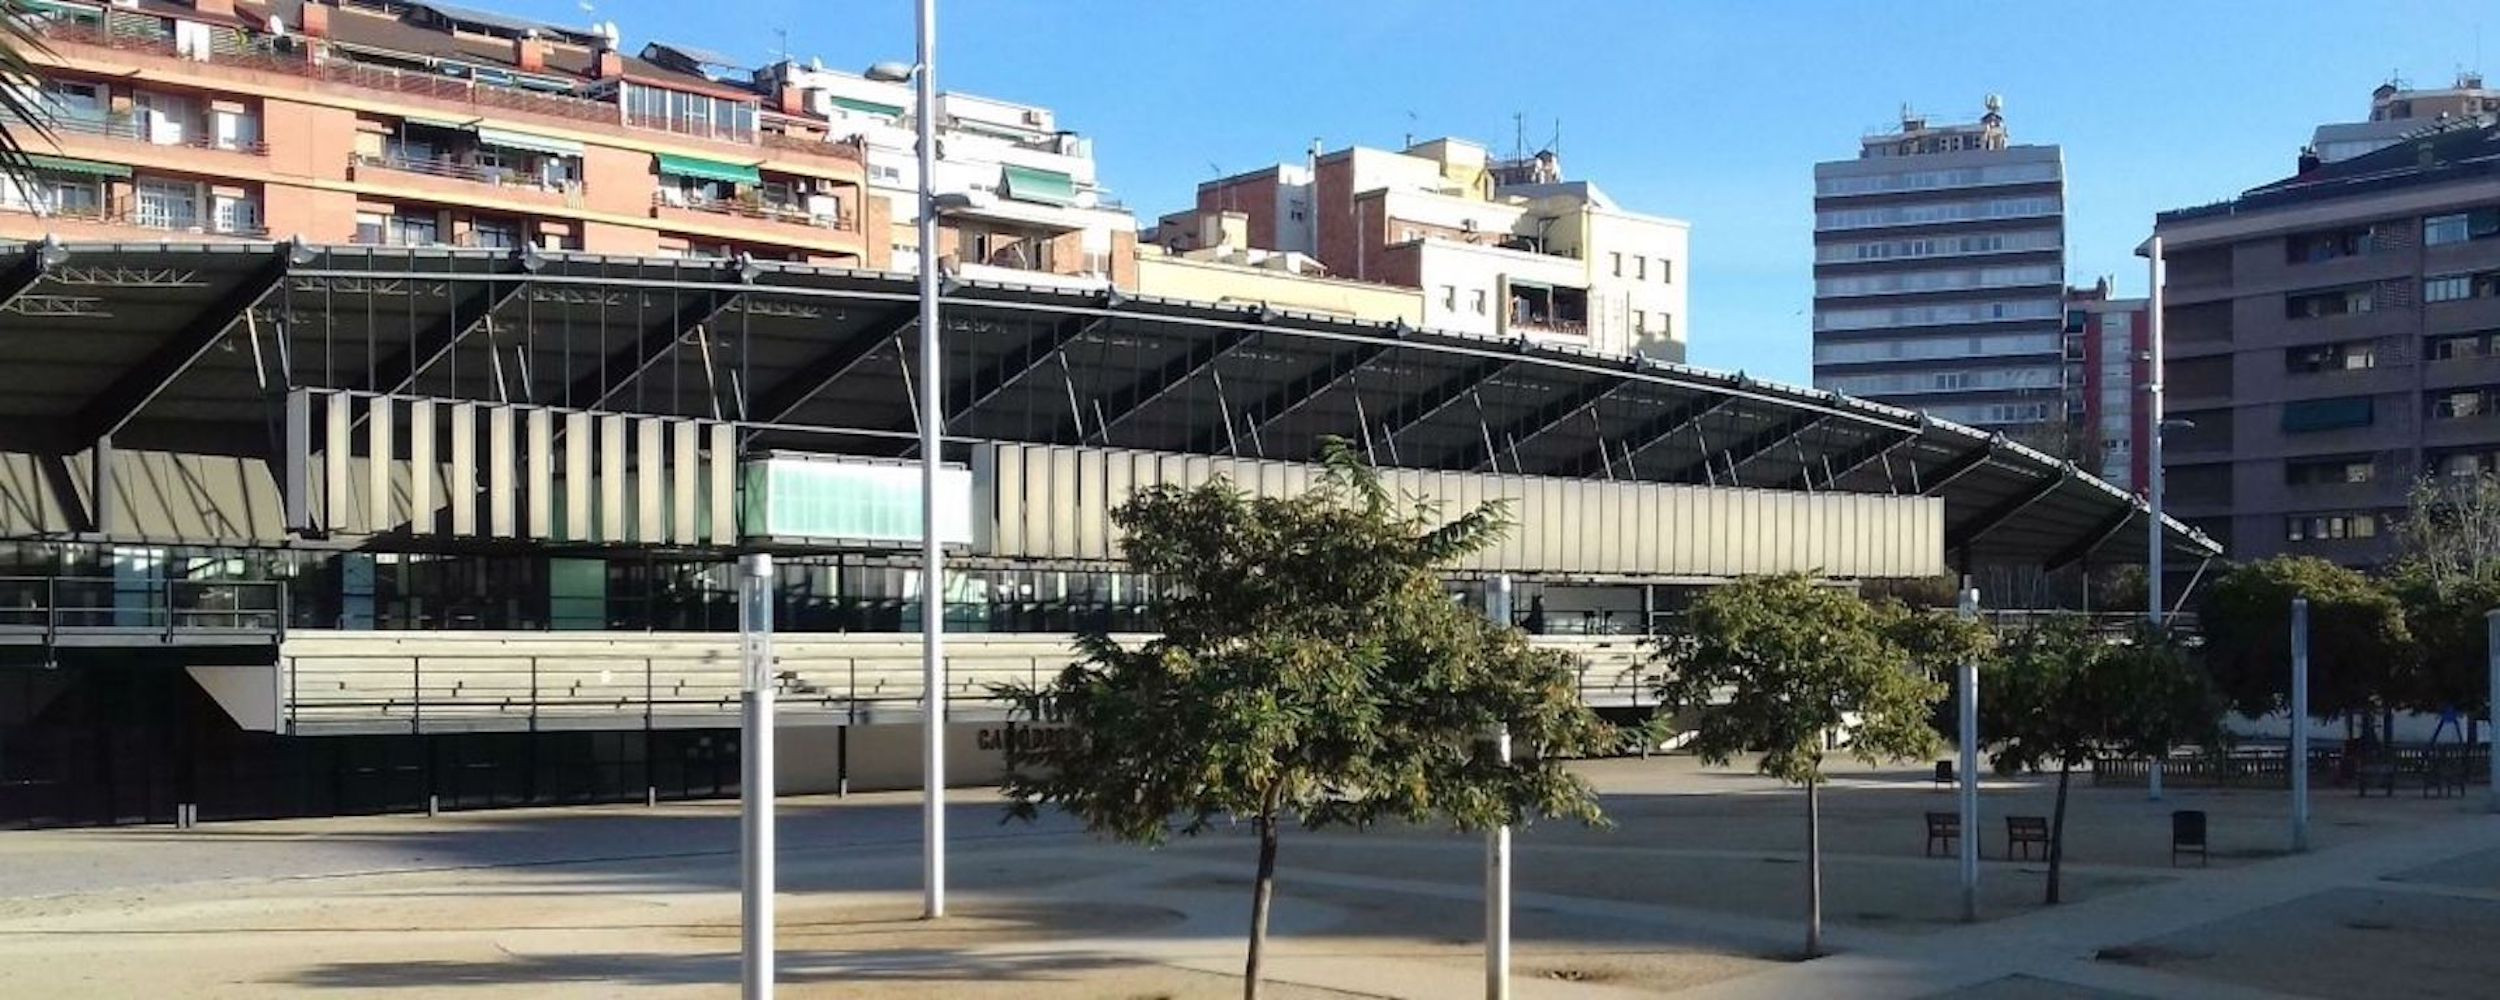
[932, 553]
[2297, 762]
[1969, 764]
[755, 786]
[1497, 842]
[2491, 637]
[2152, 467]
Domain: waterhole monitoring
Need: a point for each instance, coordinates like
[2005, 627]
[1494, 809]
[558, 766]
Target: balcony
[126, 129]
[454, 179]
[101, 220]
[742, 208]
[104, 611]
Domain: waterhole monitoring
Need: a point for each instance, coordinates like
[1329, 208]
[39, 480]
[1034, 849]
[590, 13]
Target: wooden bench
[2444, 773]
[1945, 829]
[2022, 833]
[2377, 770]
[2187, 836]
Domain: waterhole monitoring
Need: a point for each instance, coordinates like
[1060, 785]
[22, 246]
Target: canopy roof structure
[193, 346]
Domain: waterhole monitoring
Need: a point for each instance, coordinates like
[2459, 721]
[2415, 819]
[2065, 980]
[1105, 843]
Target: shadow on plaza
[792, 966]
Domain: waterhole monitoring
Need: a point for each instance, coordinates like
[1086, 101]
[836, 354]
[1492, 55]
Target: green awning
[708, 170]
[1047, 187]
[532, 143]
[868, 107]
[66, 165]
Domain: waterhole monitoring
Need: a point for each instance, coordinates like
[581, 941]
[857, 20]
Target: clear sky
[1710, 112]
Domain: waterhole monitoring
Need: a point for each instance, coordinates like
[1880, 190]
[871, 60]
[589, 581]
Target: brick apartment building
[2334, 337]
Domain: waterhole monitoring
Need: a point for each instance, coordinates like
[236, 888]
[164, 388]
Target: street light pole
[756, 782]
[2152, 251]
[932, 553]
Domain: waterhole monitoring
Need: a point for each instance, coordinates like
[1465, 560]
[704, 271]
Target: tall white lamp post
[756, 781]
[2151, 251]
[923, 75]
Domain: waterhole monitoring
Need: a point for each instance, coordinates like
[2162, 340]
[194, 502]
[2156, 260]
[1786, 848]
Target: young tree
[1781, 664]
[2451, 528]
[2060, 694]
[2358, 643]
[2447, 574]
[1311, 668]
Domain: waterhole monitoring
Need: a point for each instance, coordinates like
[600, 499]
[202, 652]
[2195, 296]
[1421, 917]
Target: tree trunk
[2057, 829]
[1814, 871]
[1260, 896]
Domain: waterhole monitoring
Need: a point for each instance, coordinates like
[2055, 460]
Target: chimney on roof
[529, 52]
[789, 99]
[315, 19]
[606, 62]
[2309, 160]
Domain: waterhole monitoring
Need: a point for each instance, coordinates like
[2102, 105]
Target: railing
[767, 211]
[120, 212]
[2265, 767]
[455, 170]
[840, 149]
[166, 609]
[701, 129]
[128, 130]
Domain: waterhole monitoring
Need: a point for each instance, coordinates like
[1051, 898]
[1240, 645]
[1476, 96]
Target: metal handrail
[58, 603]
[121, 211]
[456, 170]
[764, 210]
[127, 129]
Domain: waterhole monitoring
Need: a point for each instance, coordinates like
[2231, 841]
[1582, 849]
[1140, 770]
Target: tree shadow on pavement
[907, 964]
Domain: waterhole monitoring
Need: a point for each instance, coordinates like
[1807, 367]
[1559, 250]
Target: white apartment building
[1035, 211]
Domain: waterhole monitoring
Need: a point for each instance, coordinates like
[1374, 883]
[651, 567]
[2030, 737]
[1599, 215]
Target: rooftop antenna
[781, 52]
[1518, 136]
[1410, 130]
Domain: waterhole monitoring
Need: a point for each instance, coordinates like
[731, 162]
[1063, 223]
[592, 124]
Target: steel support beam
[2092, 539]
[399, 372]
[1275, 406]
[140, 383]
[1020, 361]
[1967, 463]
[1976, 528]
[1553, 414]
[625, 365]
[1201, 356]
[1649, 434]
[1860, 457]
[1416, 409]
[776, 404]
[1768, 440]
[41, 257]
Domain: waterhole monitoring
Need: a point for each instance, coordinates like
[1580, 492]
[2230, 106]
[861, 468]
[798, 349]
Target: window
[1640, 321]
[1294, 210]
[371, 228]
[2330, 471]
[2352, 356]
[2454, 348]
[1449, 297]
[2310, 248]
[2448, 288]
[237, 216]
[1618, 259]
[495, 234]
[2480, 223]
[2327, 527]
[166, 204]
[1952, 380]
[692, 114]
[1666, 271]
[1476, 299]
[74, 195]
[2464, 404]
[2332, 302]
[1640, 267]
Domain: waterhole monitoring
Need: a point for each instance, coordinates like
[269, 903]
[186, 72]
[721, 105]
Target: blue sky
[1710, 112]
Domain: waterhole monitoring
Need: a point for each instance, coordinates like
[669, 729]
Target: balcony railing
[128, 130]
[836, 148]
[703, 128]
[746, 209]
[47, 608]
[456, 170]
[121, 212]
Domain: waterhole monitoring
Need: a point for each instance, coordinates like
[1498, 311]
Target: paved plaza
[1694, 891]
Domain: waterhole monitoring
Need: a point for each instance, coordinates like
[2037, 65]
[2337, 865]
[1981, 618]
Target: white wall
[1466, 268]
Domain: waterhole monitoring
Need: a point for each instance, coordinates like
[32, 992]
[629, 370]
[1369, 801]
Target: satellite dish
[1995, 102]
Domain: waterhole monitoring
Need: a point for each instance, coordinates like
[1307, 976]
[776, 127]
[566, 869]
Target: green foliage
[2451, 529]
[1310, 665]
[1795, 660]
[2358, 643]
[2450, 668]
[2060, 695]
